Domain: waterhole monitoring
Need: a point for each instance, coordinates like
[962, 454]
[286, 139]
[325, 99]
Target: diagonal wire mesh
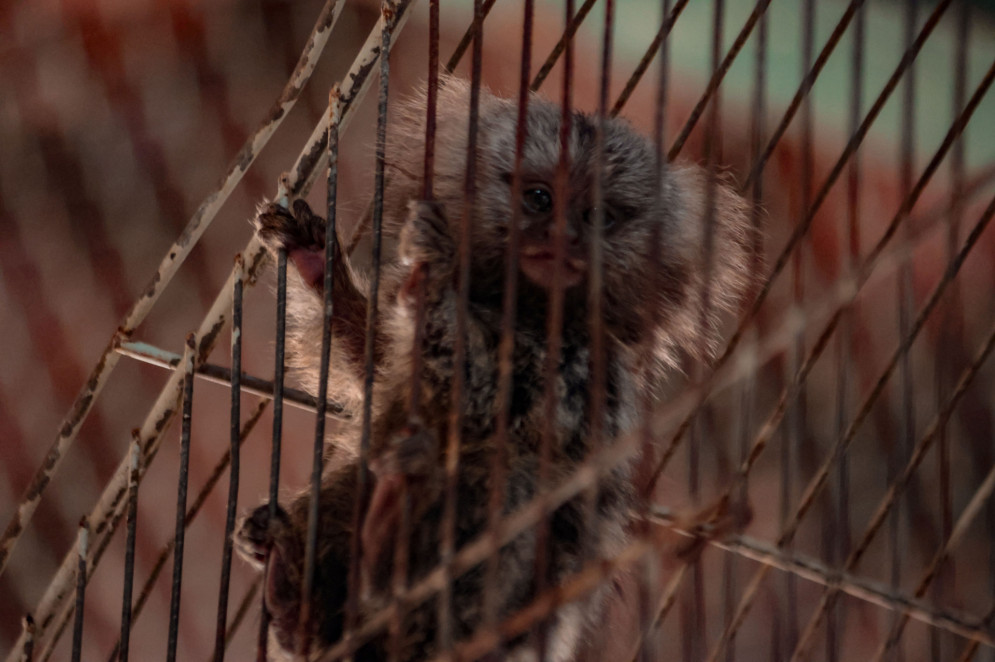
[868, 468]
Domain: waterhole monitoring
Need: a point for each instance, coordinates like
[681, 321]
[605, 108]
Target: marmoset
[654, 308]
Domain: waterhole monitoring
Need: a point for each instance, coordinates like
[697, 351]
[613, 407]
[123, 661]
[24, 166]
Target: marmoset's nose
[571, 230]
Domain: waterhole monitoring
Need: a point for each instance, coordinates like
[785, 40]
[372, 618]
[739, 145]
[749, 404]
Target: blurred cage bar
[851, 402]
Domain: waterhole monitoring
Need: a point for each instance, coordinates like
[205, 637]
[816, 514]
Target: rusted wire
[883, 509]
[84, 548]
[838, 530]
[235, 424]
[718, 74]
[191, 514]
[387, 10]
[970, 512]
[447, 533]
[28, 630]
[647, 648]
[658, 45]
[554, 322]
[597, 388]
[573, 23]
[951, 323]
[506, 344]
[221, 375]
[181, 497]
[802, 228]
[170, 264]
[277, 436]
[895, 488]
[468, 36]
[867, 591]
[129, 554]
[318, 447]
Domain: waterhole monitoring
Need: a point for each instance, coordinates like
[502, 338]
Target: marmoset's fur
[654, 272]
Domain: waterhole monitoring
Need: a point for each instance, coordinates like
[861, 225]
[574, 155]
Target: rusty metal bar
[235, 424]
[801, 94]
[895, 489]
[220, 375]
[842, 444]
[867, 591]
[554, 321]
[108, 509]
[801, 229]
[970, 512]
[899, 524]
[572, 24]
[28, 630]
[838, 542]
[170, 264]
[447, 534]
[387, 23]
[597, 389]
[181, 497]
[277, 437]
[84, 548]
[191, 514]
[951, 332]
[658, 45]
[467, 38]
[718, 74]
[499, 470]
[317, 453]
[129, 553]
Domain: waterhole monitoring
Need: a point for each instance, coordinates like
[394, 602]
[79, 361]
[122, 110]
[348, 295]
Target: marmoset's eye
[537, 200]
[608, 218]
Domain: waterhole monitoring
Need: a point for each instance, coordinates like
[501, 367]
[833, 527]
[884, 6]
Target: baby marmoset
[654, 270]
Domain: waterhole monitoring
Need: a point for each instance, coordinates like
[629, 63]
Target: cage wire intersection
[846, 543]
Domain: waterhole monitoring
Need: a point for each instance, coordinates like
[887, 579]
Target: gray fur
[652, 307]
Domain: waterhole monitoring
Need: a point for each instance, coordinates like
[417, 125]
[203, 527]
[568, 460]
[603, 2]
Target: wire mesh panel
[649, 330]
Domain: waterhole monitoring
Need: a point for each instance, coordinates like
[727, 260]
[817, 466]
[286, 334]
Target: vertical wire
[192, 512]
[905, 302]
[506, 346]
[554, 330]
[839, 546]
[452, 459]
[388, 12]
[795, 431]
[311, 545]
[181, 496]
[84, 549]
[235, 417]
[29, 629]
[693, 607]
[278, 376]
[748, 391]
[129, 545]
[402, 539]
[951, 324]
[596, 402]
[649, 648]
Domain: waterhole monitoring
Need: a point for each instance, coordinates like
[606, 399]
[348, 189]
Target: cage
[848, 402]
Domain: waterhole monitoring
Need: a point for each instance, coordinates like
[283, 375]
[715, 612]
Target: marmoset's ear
[709, 236]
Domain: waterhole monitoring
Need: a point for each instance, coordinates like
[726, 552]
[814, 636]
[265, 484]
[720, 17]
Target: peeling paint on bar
[220, 375]
[109, 509]
[354, 86]
[167, 269]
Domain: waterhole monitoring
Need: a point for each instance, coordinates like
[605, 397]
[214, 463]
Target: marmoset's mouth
[538, 262]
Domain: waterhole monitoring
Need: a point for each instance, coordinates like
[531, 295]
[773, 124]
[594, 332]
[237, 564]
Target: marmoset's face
[546, 206]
